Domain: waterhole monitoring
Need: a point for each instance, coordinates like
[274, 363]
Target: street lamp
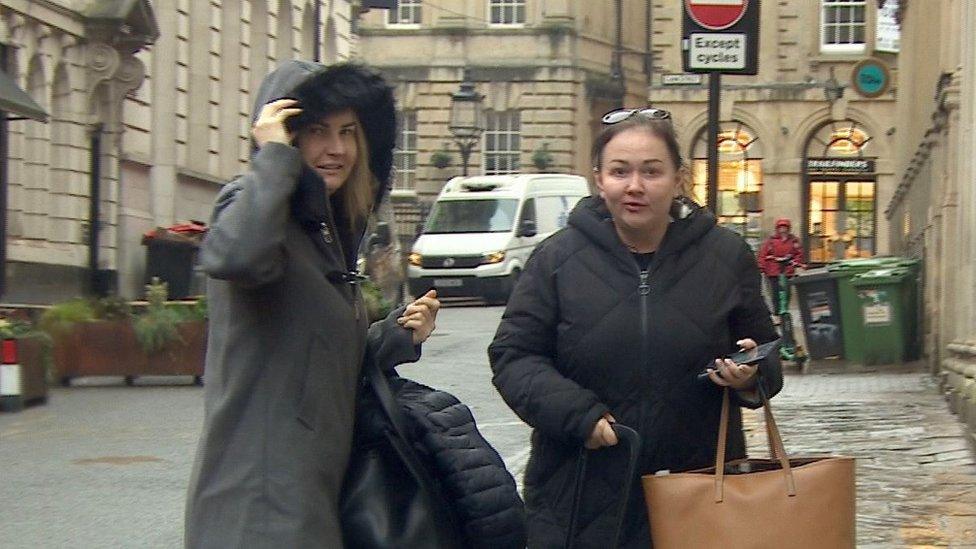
[467, 118]
[833, 90]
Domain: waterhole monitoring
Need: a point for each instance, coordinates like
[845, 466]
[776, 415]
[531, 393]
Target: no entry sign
[716, 14]
[720, 36]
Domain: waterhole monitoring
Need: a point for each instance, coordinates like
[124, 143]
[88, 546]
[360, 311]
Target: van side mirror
[383, 234]
[527, 228]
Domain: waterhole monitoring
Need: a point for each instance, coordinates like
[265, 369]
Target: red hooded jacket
[777, 246]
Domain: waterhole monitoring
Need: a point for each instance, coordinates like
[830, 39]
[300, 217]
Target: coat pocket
[313, 384]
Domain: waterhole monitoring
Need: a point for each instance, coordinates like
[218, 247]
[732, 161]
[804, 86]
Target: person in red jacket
[780, 245]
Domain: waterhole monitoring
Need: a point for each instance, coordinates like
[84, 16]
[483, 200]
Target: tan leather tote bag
[779, 503]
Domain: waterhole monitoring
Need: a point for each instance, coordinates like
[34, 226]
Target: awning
[16, 101]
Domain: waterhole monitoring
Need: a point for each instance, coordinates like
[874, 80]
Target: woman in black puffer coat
[612, 320]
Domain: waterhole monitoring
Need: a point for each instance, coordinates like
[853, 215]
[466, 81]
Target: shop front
[840, 184]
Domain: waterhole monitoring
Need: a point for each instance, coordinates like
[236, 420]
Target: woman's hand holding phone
[727, 373]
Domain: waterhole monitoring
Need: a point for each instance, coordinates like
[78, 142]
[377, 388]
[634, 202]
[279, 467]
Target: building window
[406, 12]
[841, 201]
[843, 26]
[405, 154]
[740, 179]
[507, 12]
[502, 142]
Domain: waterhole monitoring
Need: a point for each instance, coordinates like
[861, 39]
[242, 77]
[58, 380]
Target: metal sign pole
[714, 97]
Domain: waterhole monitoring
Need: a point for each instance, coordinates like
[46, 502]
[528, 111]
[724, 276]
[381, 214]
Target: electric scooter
[789, 350]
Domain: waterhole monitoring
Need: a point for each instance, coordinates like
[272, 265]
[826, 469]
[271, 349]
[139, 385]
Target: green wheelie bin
[844, 272]
[886, 327]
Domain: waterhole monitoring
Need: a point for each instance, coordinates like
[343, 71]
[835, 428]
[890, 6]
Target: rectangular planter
[110, 348]
[181, 358]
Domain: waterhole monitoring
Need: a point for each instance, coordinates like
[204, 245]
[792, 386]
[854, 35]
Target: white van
[482, 229]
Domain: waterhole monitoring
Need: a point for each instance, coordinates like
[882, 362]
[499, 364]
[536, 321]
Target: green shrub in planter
[59, 318]
[157, 327]
[112, 308]
[377, 306]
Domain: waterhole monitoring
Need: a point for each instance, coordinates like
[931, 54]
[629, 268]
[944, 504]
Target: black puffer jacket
[480, 489]
[581, 337]
[480, 492]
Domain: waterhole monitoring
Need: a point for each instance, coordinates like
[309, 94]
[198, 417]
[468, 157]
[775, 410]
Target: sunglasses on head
[649, 113]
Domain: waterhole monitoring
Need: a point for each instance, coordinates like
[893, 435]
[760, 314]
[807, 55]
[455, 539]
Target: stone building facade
[160, 94]
[789, 147]
[187, 129]
[76, 60]
[548, 70]
[932, 213]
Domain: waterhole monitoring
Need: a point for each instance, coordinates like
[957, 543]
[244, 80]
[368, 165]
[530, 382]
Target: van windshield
[472, 216]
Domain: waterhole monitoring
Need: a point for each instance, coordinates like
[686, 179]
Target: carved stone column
[112, 74]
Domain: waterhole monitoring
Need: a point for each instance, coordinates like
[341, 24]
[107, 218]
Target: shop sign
[816, 166]
[887, 35]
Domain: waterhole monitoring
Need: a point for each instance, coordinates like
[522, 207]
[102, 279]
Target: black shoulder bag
[389, 497]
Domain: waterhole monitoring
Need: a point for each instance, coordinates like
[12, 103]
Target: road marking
[516, 465]
[500, 424]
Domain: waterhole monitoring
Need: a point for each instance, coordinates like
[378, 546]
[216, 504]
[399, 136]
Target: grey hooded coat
[287, 333]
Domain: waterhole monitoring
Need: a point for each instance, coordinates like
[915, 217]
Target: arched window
[840, 193]
[740, 178]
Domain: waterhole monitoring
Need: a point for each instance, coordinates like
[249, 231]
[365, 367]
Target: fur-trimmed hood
[322, 89]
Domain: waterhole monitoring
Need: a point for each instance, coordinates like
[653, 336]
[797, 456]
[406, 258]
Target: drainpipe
[317, 32]
[94, 209]
[648, 46]
[616, 66]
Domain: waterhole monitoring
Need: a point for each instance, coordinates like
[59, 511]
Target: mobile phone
[750, 356]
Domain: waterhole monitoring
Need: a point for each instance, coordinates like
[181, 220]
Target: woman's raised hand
[735, 376]
[270, 125]
[420, 316]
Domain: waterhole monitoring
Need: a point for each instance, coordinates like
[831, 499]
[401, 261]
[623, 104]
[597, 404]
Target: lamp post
[467, 121]
[833, 90]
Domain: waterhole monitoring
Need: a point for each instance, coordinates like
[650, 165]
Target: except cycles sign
[721, 36]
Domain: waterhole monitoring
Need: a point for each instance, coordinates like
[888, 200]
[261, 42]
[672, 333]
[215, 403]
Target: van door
[526, 234]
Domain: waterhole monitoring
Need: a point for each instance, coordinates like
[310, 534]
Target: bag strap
[633, 440]
[777, 451]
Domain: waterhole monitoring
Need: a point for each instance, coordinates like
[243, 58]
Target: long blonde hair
[359, 190]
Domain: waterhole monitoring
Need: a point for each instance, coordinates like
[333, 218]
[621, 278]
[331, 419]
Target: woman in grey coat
[288, 328]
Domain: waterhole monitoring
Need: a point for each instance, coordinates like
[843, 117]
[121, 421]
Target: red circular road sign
[716, 14]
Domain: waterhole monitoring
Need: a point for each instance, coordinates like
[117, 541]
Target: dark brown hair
[659, 128]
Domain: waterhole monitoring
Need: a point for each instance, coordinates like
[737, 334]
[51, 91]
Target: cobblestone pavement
[104, 465]
[916, 474]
